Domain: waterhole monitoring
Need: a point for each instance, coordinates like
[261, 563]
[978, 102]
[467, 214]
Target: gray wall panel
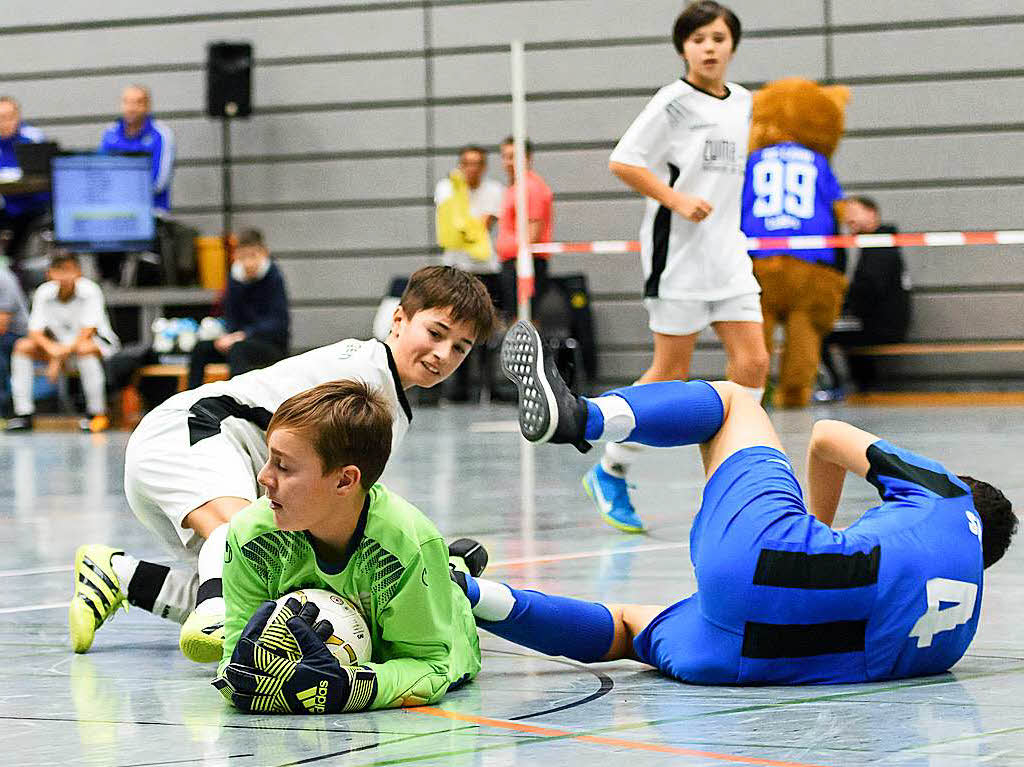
[593, 119]
[931, 104]
[543, 20]
[882, 11]
[87, 10]
[964, 156]
[968, 315]
[597, 219]
[995, 207]
[101, 95]
[910, 51]
[338, 82]
[331, 229]
[330, 180]
[185, 42]
[627, 66]
[346, 130]
[952, 267]
[345, 278]
[318, 326]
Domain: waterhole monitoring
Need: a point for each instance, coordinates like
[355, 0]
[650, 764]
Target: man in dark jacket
[878, 298]
[255, 314]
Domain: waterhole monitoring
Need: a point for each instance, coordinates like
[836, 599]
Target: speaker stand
[225, 169]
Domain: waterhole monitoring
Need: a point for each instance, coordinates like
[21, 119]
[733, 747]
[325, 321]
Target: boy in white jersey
[686, 153]
[192, 462]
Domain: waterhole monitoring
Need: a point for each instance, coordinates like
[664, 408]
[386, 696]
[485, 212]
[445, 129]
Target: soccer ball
[350, 643]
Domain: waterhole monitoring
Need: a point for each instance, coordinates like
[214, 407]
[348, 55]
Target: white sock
[94, 381]
[156, 588]
[496, 601]
[619, 420]
[21, 384]
[210, 594]
[619, 456]
[124, 565]
[756, 393]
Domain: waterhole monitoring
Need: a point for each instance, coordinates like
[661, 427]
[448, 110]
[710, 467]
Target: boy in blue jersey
[782, 598]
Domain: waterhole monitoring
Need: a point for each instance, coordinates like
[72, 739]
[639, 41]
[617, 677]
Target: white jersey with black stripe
[240, 408]
[697, 144]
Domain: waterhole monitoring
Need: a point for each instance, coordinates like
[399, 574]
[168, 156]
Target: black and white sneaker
[467, 554]
[19, 423]
[548, 411]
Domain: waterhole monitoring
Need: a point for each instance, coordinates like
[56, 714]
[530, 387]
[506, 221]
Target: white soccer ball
[350, 643]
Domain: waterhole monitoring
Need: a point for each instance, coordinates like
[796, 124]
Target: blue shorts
[751, 502]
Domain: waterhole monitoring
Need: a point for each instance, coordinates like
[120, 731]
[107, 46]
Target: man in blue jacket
[137, 131]
[17, 211]
[255, 314]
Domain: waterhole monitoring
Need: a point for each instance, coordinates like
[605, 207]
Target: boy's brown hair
[347, 422]
[445, 287]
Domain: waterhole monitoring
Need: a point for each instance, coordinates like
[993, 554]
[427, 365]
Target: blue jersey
[21, 204]
[155, 138]
[788, 191]
[784, 599]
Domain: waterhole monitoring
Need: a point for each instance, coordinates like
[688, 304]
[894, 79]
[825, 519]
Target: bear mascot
[790, 190]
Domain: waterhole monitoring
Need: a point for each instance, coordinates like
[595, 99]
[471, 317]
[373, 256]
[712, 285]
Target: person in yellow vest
[467, 204]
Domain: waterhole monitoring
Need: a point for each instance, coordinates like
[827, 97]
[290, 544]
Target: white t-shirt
[485, 200]
[697, 144]
[65, 319]
[241, 407]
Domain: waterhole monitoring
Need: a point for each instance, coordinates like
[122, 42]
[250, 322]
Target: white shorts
[165, 478]
[671, 317]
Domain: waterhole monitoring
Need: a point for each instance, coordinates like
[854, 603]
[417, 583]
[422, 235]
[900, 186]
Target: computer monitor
[102, 202]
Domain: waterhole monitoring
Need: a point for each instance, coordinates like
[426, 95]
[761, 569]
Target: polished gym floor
[134, 700]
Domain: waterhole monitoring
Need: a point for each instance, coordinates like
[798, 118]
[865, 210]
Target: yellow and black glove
[284, 667]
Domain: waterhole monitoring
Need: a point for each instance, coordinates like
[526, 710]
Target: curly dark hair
[998, 522]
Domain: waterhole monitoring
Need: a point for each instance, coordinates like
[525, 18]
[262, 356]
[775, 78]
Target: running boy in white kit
[192, 462]
[686, 153]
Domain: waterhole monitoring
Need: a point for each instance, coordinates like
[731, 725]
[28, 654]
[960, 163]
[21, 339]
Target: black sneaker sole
[522, 362]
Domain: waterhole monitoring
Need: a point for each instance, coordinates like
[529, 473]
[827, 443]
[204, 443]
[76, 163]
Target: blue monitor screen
[102, 202]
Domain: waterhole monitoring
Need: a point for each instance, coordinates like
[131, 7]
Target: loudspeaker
[229, 80]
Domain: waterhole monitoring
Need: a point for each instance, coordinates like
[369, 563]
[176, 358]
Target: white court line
[588, 554]
[495, 427]
[505, 563]
[31, 608]
[59, 569]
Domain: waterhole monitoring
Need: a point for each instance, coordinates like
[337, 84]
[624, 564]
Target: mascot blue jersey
[788, 191]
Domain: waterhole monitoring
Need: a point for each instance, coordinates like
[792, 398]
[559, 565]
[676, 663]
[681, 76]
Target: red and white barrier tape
[906, 240]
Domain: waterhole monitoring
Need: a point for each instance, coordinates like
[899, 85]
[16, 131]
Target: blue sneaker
[611, 495]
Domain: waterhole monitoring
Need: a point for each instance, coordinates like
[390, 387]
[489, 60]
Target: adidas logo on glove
[314, 699]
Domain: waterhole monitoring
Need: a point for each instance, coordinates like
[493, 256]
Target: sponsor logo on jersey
[315, 698]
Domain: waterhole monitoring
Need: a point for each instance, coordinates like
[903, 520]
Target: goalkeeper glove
[284, 666]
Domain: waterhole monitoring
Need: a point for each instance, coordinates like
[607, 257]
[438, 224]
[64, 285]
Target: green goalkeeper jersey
[395, 571]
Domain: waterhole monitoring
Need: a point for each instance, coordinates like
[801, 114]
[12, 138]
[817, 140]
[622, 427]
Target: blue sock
[595, 421]
[472, 590]
[672, 413]
[553, 625]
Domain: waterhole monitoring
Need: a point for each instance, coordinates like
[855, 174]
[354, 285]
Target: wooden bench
[943, 347]
[131, 401]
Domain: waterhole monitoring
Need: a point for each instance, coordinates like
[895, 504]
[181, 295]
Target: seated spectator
[68, 325]
[17, 211]
[255, 314]
[877, 304]
[468, 204]
[13, 325]
[137, 131]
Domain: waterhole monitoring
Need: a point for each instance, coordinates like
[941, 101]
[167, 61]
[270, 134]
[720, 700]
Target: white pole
[524, 255]
[524, 275]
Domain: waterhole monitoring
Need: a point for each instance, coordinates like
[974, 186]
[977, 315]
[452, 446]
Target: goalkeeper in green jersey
[325, 523]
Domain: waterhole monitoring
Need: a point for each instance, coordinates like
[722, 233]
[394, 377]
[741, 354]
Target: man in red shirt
[538, 205]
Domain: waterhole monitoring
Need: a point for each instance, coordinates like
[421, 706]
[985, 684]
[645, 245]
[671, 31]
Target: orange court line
[504, 724]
